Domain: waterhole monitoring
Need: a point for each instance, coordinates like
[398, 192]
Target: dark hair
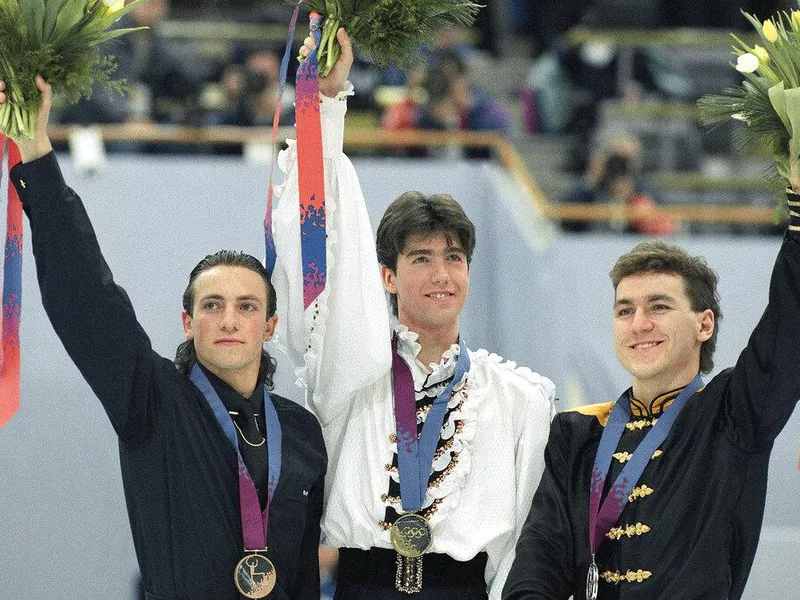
[699, 280]
[415, 214]
[185, 355]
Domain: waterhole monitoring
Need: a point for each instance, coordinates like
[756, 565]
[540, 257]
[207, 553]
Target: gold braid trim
[615, 533]
[640, 492]
[616, 577]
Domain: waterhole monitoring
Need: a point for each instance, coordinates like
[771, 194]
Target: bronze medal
[254, 576]
[411, 535]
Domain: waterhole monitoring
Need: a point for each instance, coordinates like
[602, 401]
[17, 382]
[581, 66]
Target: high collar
[657, 407]
[408, 347]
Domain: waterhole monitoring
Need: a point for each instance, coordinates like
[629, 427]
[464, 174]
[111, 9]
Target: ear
[186, 318]
[707, 325]
[389, 279]
[269, 328]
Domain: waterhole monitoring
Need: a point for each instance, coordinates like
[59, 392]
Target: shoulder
[493, 370]
[296, 416]
[588, 412]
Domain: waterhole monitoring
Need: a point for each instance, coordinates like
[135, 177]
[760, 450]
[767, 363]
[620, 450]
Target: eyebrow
[428, 252]
[248, 297]
[650, 300]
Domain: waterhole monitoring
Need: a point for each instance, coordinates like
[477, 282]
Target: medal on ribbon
[412, 534]
[602, 517]
[254, 575]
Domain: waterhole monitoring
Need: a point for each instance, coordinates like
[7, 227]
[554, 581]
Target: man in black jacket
[223, 480]
[661, 493]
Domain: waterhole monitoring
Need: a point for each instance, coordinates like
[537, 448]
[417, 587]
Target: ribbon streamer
[311, 172]
[269, 242]
[12, 289]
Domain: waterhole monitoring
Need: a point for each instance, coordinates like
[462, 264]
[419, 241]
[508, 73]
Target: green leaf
[777, 97]
[70, 14]
[33, 13]
[793, 111]
[52, 8]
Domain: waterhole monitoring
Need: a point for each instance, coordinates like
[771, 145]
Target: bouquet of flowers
[58, 40]
[768, 100]
[387, 30]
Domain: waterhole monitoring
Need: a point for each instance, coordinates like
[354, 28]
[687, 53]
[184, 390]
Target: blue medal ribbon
[603, 518]
[254, 520]
[415, 452]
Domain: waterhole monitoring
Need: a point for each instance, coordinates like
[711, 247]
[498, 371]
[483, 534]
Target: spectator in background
[614, 177]
[249, 89]
[450, 102]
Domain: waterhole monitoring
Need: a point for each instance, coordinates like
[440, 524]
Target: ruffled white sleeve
[529, 459]
[340, 344]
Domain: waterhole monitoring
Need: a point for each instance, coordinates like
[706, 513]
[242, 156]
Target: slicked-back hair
[414, 214]
[185, 355]
[700, 282]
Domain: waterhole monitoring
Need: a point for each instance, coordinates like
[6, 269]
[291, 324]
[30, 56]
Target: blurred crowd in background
[518, 71]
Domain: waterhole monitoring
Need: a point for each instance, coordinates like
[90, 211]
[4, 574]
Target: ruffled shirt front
[490, 453]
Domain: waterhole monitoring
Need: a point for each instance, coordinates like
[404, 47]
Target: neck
[435, 342]
[243, 383]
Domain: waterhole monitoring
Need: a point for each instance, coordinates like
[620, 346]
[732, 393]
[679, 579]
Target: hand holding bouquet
[768, 100]
[387, 30]
[58, 40]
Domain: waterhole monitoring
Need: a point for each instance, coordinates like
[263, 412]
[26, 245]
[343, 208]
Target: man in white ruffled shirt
[489, 449]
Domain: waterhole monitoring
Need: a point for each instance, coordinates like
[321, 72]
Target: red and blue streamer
[12, 290]
[311, 174]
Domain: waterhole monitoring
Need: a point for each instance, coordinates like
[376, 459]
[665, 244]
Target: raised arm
[765, 385]
[341, 342]
[91, 315]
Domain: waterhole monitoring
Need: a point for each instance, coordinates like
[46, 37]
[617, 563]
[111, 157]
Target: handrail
[505, 150]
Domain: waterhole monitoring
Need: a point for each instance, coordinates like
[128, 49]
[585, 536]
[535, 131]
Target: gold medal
[254, 576]
[411, 535]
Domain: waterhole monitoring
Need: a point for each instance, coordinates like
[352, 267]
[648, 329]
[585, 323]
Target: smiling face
[229, 324]
[657, 334]
[431, 282]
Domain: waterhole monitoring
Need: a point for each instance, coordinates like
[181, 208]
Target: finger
[2, 97]
[310, 43]
[47, 102]
[2, 85]
[345, 43]
[304, 51]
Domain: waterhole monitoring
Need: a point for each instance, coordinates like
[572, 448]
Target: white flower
[114, 5]
[747, 63]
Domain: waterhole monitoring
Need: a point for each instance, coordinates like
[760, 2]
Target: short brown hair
[416, 214]
[699, 280]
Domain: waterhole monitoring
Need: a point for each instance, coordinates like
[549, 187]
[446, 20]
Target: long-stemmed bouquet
[388, 31]
[768, 100]
[57, 39]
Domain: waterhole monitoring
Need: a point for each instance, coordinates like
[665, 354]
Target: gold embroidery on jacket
[616, 577]
[640, 492]
[624, 457]
[641, 423]
[616, 533]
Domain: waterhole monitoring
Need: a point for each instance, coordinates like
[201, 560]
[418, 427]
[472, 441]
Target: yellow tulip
[761, 53]
[113, 5]
[796, 20]
[769, 31]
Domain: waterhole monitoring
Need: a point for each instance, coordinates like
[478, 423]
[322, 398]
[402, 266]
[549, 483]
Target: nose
[229, 321]
[641, 322]
[439, 273]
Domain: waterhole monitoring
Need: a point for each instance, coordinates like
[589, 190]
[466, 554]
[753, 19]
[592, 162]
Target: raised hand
[40, 144]
[335, 81]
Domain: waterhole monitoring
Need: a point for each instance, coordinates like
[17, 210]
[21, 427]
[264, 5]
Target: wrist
[30, 150]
